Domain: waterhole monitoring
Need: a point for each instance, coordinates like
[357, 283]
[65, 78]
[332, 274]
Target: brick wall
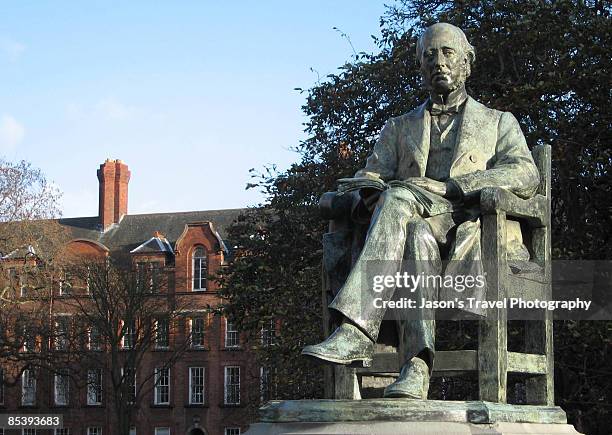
[213, 416]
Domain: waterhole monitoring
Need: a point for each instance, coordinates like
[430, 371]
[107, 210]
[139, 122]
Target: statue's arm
[513, 169]
[382, 162]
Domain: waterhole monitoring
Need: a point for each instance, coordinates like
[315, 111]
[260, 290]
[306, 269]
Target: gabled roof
[155, 244]
[211, 227]
[134, 231]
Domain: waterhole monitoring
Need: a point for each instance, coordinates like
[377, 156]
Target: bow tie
[440, 109]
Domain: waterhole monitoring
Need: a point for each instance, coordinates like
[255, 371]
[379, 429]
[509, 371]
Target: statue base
[399, 416]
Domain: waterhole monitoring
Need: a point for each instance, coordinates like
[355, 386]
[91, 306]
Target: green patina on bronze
[476, 161]
[476, 412]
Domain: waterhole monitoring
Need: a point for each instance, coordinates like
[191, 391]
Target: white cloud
[11, 49]
[11, 133]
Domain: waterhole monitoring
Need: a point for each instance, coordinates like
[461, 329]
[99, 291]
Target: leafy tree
[548, 63]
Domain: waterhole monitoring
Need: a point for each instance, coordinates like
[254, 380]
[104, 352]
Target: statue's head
[445, 57]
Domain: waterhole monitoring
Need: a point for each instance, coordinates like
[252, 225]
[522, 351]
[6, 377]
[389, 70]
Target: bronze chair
[491, 361]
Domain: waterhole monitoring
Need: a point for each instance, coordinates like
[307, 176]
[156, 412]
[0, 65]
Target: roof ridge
[188, 212]
[156, 213]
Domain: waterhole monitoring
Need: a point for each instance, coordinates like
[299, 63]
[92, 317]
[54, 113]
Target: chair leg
[539, 339]
[493, 337]
[493, 357]
[346, 385]
[539, 334]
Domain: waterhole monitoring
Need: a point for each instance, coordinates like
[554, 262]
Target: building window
[128, 340]
[162, 386]
[62, 431]
[162, 431]
[61, 388]
[65, 285]
[162, 333]
[232, 385]
[23, 285]
[62, 330]
[231, 335]
[94, 387]
[29, 339]
[232, 431]
[96, 430]
[88, 281]
[141, 279]
[196, 385]
[94, 340]
[200, 269]
[265, 384]
[155, 279]
[268, 332]
[129, 379]
[28, 388]
[11, 273]
[65, 288]
[197, 326]
[148, 276]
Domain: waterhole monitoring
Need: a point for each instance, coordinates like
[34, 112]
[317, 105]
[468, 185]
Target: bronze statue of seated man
[450, 147]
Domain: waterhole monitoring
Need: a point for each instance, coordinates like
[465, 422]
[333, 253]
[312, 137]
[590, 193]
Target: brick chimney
[114, 177]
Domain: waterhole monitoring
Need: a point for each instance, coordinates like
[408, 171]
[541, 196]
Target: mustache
[440, 72]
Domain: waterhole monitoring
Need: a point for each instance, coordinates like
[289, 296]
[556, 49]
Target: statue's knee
[399, 199]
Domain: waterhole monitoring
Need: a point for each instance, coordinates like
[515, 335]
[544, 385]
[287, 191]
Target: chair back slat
[542, 155]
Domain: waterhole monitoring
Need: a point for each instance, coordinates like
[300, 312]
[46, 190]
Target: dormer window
[200, 269]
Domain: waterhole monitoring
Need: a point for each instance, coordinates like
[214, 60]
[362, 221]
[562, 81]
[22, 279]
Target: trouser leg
[397, 232]
[417, 326]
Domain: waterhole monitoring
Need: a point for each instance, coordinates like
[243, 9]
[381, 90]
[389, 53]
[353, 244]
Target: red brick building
[205, 391]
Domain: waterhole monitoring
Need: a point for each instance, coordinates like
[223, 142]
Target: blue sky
[190, 94]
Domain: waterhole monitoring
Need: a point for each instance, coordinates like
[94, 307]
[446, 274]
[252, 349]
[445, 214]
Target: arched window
[200, 269]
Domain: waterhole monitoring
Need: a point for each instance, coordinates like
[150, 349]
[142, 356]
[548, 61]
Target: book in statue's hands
[432, 204]
[351, 184]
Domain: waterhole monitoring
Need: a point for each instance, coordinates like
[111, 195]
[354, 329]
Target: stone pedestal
[398, 416]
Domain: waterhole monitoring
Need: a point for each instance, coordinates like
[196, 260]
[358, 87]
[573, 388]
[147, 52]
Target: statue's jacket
[490, 151]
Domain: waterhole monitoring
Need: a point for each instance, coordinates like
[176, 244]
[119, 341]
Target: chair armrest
[535, 210]
[335, 206]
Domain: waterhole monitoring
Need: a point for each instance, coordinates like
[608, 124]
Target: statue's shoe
[346, 345]
[412, 383]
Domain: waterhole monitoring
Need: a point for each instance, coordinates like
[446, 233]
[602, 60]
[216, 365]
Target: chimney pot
[113, 177]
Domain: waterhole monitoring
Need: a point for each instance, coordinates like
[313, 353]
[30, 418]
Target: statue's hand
[433, 186]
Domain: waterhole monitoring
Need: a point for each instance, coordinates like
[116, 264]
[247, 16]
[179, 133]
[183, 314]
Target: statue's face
[444, 65]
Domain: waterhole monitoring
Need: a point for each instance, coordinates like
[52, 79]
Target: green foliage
[277, 278]
[547, 62]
